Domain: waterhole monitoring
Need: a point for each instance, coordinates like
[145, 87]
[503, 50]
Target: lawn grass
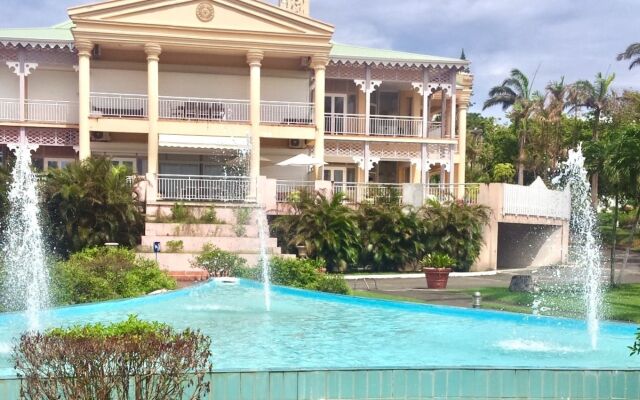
[621, 303]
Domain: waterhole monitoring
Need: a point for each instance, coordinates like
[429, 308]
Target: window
[56, 163]
[129, 163]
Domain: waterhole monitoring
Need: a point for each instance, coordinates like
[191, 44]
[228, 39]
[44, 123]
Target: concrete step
[194, 244]
[181, 262]
[205, 230]
[224, 213]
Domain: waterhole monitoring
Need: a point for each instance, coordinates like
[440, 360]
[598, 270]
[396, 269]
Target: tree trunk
[523, 138]
[595, 177]
[628, 249]
[613, 242]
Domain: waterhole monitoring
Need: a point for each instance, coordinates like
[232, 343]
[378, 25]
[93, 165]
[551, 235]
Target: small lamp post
[477, 300]
[156, 249]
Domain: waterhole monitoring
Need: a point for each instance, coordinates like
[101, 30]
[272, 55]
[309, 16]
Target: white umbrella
[301, 160]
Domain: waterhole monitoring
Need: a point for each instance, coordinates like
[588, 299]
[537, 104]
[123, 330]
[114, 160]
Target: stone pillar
[319, 65]
[84, 97]
[153, 57]
[254, 59]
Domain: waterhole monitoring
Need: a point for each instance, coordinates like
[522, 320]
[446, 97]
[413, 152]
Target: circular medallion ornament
[204, 12]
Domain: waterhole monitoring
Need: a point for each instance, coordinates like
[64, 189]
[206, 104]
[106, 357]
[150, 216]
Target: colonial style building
[204, 97]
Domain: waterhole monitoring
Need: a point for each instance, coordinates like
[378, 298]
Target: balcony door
[335, 106]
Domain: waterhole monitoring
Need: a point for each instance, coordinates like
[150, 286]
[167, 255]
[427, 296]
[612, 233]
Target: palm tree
[632, 51]
[598, 98]
[515, 93]
[556, 102]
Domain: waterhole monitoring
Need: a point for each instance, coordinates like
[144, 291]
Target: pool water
[316, 330]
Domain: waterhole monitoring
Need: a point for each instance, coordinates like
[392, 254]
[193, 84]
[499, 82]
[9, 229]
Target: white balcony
[288, 191]
[42, 111]
[226, 189]
[202, 109]
[287, 113]
[117, 105]
[380, 125]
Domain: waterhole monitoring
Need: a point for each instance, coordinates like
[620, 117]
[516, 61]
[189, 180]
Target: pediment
[217, 15]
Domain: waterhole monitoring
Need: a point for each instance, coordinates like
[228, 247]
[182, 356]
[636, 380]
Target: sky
[548, 39]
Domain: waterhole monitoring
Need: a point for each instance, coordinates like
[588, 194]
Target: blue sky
[570, 38]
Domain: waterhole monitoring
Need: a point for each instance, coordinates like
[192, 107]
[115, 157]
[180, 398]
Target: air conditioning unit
[100, 137]
[96, 52]
[297, 143]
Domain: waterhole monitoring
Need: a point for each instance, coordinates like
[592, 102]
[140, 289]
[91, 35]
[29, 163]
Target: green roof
[57, 35]
[367, 54]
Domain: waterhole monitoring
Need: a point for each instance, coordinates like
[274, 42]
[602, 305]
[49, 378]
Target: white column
[254, 59]
[443, 112]
[453, 105]
[368, 86]
[84, 96]
[153, 57]
[426, 92]
[22, 69]
[319, 65]
[424, 168]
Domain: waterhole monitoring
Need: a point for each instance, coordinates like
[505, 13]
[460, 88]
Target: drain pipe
[477, 300]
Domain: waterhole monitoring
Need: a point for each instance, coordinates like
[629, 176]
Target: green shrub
[105, 273]
[328, 228]
[132, 359]
[221, 263]
[90, 203]
[181, 214]
[210, 216]
[503, 173]
[175, 246]
[332, 284]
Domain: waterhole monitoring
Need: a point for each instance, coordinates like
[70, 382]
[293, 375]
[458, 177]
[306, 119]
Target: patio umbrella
[301, 160]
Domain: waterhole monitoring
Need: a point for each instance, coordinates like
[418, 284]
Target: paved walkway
[415, 285]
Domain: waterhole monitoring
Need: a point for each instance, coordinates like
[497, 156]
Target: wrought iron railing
[202, 109]
[380, 125]
[236, 189]
[9, 109]
[287, 113]
[116, 105]
[51, 111]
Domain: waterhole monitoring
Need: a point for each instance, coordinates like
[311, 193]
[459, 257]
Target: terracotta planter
[437, 278]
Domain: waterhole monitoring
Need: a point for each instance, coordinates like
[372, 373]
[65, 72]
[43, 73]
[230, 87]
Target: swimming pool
[307, 330]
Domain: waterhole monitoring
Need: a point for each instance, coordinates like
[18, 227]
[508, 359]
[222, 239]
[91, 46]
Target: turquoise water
[315, 330]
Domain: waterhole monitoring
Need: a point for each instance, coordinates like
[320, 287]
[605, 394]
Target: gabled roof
[367, 55]
[55, 36]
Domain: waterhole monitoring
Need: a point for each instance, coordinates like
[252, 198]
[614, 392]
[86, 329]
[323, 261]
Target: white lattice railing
[235, 189]
[51, 111]
[288, 191]
[191, 108]
[285, 113]
[444, 193]
[380, 125]
[536, 201]
[374, 193]
[118, 105]
[9, 109]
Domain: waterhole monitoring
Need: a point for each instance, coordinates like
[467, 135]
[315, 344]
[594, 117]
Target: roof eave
[459, 64]
[37, 43]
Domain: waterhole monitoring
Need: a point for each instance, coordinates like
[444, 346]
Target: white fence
[284, 113]
[190, 108]
[457, 192]
[117, 105]
[536, 201]
[373, 193]
[51, 111]
[204, 188]
[289, 191]
[380, 125]
[349, 124]
[9, 109]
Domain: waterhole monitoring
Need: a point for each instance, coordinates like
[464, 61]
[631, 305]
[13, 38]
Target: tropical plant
[596, 97]
[180, 213]
[175, 246]
[455, 229]
[328, 228]
[132, 359]
[503, 173]
[632, 52]
[515, 93]
[106, 273]
[91, 203]
[307, 274]
[438, 261]
[388, 234]
[219, 262]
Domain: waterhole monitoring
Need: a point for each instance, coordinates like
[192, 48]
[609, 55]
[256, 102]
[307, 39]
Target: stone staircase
[227, 235]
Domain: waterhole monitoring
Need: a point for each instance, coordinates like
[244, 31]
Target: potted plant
[436, 268]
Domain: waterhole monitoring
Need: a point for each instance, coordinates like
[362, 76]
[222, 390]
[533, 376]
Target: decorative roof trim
[398, 63]
[37, 44]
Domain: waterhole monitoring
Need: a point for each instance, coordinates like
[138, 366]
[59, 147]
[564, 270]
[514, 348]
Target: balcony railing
[200, 109]
[373, 193]
[285, 113]
[444, 193]
[51, 111]
[116, 105]
[289, 191]
[380, 125]
[9, 110]
[231, 189]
